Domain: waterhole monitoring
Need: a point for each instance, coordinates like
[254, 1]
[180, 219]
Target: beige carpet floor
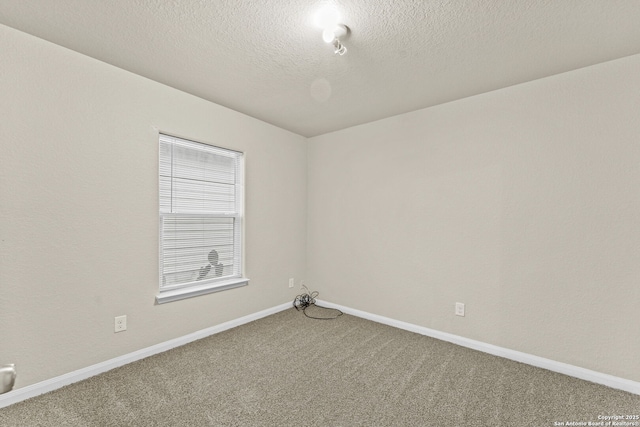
[289, 370]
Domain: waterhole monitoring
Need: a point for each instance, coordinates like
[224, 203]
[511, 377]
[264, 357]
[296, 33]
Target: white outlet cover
[459, 309]
[120, 324]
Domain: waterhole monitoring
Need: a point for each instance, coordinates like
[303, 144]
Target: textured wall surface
[79, 209]
[522, 203]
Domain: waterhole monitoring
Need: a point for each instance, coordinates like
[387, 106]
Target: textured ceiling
[265, 58]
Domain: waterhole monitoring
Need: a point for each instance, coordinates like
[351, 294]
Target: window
[201, 207]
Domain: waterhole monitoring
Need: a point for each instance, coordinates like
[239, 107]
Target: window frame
[169, 293]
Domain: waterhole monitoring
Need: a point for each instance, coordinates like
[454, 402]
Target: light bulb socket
[340, 31]
[334, 32]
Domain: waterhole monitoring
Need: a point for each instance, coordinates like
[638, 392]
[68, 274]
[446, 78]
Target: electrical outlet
[121, 324]
[459, 309]
[292, 282]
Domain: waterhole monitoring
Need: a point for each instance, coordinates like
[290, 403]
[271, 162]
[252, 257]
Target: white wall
[523, 203]
[79, 209]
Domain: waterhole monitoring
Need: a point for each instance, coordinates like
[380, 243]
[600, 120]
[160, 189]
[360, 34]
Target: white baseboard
[33, 390]
[529, 359]
[46, 386]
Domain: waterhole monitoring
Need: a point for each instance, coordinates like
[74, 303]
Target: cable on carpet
[308, 299]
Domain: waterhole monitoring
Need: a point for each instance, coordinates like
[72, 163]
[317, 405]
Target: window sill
[194, 291]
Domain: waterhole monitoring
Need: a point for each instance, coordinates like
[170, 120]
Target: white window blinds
[201, 194]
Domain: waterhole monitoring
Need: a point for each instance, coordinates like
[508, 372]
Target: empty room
[319, 213]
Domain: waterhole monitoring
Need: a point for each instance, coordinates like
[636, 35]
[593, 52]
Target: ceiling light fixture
[333, 34]
[328, 19]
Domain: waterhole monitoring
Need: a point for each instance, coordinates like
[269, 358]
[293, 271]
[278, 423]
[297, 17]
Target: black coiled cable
[308, 299]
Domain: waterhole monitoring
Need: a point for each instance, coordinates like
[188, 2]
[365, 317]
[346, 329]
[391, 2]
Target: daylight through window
[201, 205]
